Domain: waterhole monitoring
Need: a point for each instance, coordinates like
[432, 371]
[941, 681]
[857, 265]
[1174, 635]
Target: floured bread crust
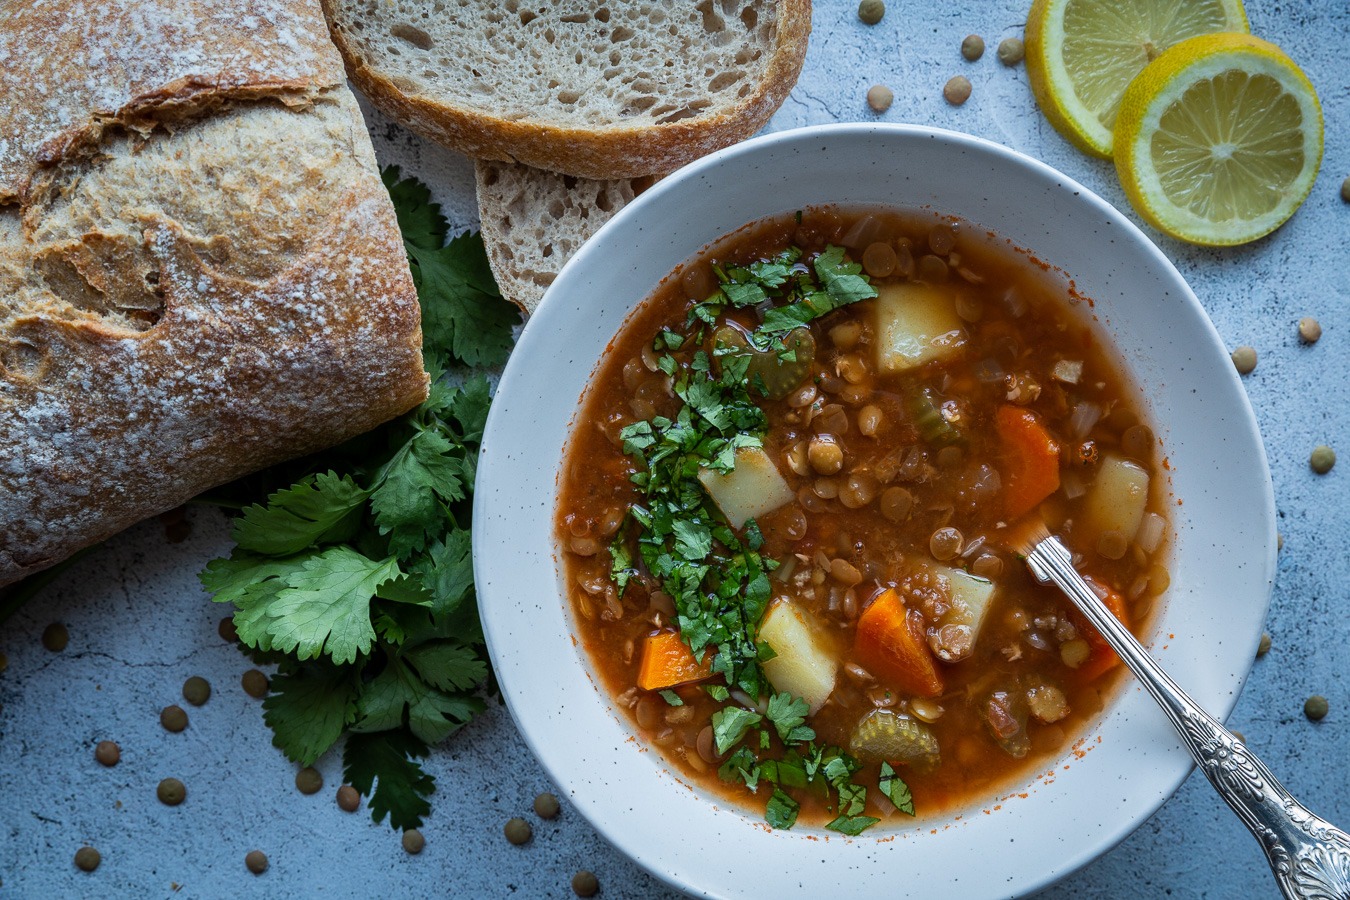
[200, 271]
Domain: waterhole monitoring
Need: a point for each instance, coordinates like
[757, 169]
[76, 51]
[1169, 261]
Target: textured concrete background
[140, 624]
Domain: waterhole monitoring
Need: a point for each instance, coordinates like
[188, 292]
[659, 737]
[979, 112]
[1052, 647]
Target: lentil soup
[785, 510]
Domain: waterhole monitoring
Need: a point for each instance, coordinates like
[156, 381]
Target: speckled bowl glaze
[1129, 761]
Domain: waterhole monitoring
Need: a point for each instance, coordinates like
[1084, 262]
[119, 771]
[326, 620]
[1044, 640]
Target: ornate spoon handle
[1309, 856]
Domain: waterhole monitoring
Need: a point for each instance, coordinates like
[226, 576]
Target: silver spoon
[1309, 856]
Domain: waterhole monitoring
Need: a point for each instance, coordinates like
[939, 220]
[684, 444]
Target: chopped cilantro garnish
[896, 790]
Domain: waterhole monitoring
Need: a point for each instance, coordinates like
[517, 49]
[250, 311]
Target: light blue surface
[140, 624]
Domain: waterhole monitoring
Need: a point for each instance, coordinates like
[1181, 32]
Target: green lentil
[871, 11]
[1244, 359]
[546, 806]
[972, 48]
[957, 90]
[55, 637]
[413, 842]
[108, 753]
[196, 690]
[880, 98]
[1322, 459]
[1316, 707]
[348, 798]
[1309, 330]
[1264, 647]
[308, 780]
[87, 859]
[518, 831]
[585, 884]
[1242, 738]
[1011, 51]
[227, 631]
[1345, 190]
[173, 718]
[256, 860]
[255, 684]
[171, 792]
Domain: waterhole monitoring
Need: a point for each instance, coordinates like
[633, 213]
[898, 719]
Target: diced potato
[916, 324]
[1117, 498]
[804, 666]
[748, 491]
[958, 631]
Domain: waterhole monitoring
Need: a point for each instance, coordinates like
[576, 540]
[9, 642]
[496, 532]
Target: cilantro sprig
[353, 572]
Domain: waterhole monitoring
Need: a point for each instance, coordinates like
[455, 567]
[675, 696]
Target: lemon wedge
[1219, 140]
[1082, 54]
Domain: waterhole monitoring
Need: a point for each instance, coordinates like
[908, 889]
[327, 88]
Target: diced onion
[1083, 418]
[1150, 533]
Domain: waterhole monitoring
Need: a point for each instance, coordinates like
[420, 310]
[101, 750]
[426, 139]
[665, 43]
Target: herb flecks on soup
[785, 517]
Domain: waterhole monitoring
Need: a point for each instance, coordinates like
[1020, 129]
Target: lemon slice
[1219, 140]
[1082, 54]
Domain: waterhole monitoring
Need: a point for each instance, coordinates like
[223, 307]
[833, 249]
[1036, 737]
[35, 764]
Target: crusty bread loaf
[606, 90]
[200, 272]
[533, 221]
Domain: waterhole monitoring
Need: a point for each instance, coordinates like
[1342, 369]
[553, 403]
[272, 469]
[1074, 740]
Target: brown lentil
[348, 798]
[108, 753]
[255, 684]
[871, 11]
[227, 631]
[879, 259]
[171, 792]
[256, 861]
[87, 859]
[413, 842]
[1244, 359]
[1345, 190]
[518, 831]
[931, 269]
[55, 637]
[173, 718]
[1322, 459]
[880, 98]
[945, 543]
[1011, 51]
[546, 806]
[1316, 707]
[972, 48]
[585, 884]
[957, 90]
[869, 420]
[1264, 646]
[1309, 330]
[308, 780]
[825, 454]
[196, 690]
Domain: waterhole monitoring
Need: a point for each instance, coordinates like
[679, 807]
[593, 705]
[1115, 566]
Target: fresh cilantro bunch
[356, 577]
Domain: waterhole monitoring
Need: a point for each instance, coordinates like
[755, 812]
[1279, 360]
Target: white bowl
[1127, 764]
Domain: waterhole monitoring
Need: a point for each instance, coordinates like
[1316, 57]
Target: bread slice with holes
[606, 90]
[533, 221]
[200, 271]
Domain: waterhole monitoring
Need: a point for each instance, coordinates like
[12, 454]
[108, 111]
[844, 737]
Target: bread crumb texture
[200, 272]
[576, 87]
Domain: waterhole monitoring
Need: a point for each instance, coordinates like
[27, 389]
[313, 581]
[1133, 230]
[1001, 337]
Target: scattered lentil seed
[1279, 541]
[957, 90]
[1242, 738]
[255, 684]
[1316, 707]
[1011, 51]
[1322, 459]
[171, 792]
[308, 780]
[1264, 646]
[196, 690]
[1309, 330]
[87, 859]
[546, 806]
[1345, 189]
[972, 48]
[55, 637]
[227, 631]
[1244, 359]
[518, 831]
[880, 98]
[871, 11]
[585, 884]
[108, 753]
[413, 842]
[256, 860]
[173, 718]
[348, 799]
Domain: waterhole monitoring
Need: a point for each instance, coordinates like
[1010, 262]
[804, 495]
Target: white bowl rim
[550, 319]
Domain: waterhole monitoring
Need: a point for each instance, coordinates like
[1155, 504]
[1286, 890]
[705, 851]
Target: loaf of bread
[200, 272]
[533, 221]
[604, 90]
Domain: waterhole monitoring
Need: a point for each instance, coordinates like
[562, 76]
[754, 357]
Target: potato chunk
[916, 324]
[804, 666]
[1117, 499]
[748, 491]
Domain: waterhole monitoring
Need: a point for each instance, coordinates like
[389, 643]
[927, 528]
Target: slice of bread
[606, 90]
[533, 221]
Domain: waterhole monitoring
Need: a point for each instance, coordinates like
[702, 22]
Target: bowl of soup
[745, 525]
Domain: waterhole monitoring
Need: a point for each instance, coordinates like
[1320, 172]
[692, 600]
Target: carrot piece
[1030, 460]
[667, 661]
[889, 642]
[1102, 659]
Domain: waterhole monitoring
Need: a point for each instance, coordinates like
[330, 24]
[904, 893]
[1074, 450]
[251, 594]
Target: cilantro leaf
[462, 309]
[843, 281]
[896, 790]
[730, 725]
[432, 715]
[788, 715]
[326, 508]
[420, 220]
[407, 488]
[852, 825]
[447, 571]
[448, 665]
[252, 584]
[307, 709]
[672, 698]
[781, 811]
[469, 405]
[326, 605]
[383, 767]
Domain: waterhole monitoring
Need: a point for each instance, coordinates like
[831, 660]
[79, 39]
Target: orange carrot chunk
[667, 661]
[1030, 460]
[1102, 659]
[890, 643]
